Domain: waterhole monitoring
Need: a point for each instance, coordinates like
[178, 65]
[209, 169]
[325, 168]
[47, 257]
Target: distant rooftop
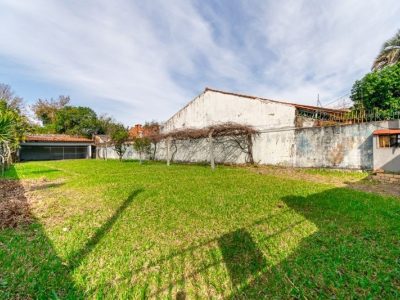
[62, 138]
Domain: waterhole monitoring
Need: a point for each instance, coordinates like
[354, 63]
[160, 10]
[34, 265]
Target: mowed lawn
[110, 229]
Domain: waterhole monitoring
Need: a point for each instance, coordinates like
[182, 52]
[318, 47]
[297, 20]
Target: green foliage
[46, 110]
[119, 136]
[6, 125]
[13, 123]
[142, 146]
[389, 54]
[111, 230]
[76, 120]
[104, 124]
[44, 129]
[378, 90]
[57, 117]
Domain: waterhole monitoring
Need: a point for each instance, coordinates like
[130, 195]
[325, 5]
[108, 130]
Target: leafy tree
[6, 124]
[119, 136]
[76, 120]
[46, 110]
[12, 101]
[104, 123]
[378, 90]
[13, 123]
[142, 146]
[389, 54]
[152, 133]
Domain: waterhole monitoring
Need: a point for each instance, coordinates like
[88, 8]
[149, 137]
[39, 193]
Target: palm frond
[6, 127]
[389, 54]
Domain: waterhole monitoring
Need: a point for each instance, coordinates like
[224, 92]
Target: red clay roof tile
[61, 138]
[386, 131]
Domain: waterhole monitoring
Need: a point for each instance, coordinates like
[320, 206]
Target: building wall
[344, 146]
[108, 152]
[198, 151]
[211, 108]
[387, 159]
[275, 147]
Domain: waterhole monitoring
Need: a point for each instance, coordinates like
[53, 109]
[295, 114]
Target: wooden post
[210, 141]
[168, 150]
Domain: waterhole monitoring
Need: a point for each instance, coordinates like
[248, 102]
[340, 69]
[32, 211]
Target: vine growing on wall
[227, 134]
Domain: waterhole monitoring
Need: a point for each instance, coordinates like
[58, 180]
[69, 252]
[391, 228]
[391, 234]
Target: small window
[386, 141]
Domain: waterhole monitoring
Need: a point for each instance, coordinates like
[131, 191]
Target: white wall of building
[211, 108]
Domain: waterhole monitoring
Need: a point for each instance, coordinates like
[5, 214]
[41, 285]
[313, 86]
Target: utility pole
[319, 104]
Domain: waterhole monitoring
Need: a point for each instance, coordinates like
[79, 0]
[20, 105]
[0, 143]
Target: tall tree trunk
[210, 141]
[250, 148]
[168, 150]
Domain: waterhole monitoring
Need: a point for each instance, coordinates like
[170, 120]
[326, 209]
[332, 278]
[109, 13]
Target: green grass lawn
[110, 229]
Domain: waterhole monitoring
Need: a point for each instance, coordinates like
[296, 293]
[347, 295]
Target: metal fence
[350, 117]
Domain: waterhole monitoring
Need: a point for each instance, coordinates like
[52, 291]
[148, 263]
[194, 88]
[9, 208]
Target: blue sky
[143, 60]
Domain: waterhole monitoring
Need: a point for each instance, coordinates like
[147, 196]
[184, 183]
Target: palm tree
[390, 53]
[6, 123]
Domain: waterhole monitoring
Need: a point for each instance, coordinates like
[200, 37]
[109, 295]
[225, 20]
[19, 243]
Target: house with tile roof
[54, 147]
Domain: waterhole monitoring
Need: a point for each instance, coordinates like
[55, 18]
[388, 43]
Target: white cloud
[124, 57]
[332, 42]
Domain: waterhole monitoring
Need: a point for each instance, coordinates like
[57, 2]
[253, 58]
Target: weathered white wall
[211, 108]
[109, 153]
[344, 146]
[198, 151]
[387, 159]
[275, 147]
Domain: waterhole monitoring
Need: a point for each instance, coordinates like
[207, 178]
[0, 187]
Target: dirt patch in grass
[14, 207]
[339, 178]
[15, 199]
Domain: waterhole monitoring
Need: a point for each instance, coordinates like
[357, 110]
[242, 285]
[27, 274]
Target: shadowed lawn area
[123, 230]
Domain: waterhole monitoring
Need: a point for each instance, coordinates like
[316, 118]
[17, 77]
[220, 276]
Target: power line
[337, 99]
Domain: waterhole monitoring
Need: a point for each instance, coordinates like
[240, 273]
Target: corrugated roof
[60, 138]
[387, 131]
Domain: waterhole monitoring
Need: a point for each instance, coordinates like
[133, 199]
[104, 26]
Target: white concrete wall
[345, 146]
[211, 108]
[387, 159]
[275, 147]
[198, 151]
[110, 153]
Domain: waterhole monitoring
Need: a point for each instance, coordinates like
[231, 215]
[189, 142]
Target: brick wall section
[388, 178]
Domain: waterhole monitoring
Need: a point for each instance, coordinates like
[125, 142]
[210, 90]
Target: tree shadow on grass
[180, 272]
[242, 257]
[30, 266]
[80, 255]
[352, 252]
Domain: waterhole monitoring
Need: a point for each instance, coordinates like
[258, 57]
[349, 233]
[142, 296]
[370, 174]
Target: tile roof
[60, 138]
[386, 131]
[143, 131]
